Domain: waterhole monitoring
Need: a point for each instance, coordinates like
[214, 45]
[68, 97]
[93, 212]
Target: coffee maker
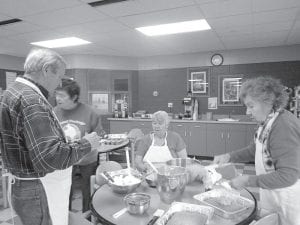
[188, 106]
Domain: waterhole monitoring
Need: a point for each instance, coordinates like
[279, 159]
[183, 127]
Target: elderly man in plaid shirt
[36, 155]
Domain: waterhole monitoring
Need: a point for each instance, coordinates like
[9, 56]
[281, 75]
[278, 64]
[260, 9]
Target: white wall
[241, 56]
[11, 62]
[101, 62]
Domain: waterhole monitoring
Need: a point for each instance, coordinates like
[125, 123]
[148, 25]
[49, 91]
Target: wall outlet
[170, 104]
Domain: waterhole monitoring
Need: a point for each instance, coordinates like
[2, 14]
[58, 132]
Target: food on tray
[225, 202]
[125, 179]
[187, 218]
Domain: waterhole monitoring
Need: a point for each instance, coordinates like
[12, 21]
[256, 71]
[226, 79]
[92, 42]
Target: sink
[227, 120]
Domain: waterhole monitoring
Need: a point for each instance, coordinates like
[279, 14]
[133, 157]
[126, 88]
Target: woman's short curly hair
[161, 116]
[265, 89]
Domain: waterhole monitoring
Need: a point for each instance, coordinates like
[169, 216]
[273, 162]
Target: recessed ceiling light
[174, 28]
[62, 42]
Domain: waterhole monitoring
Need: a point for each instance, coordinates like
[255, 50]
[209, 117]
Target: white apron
[284, 201]
[158, 154]
[57, 184]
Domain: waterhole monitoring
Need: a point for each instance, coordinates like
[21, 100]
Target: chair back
[134, 136]
[271, 219]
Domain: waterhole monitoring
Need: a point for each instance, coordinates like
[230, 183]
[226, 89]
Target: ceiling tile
[16, 8]
[161, 17]
[155, 5]
[269, 27]
[226, 8]
[66, 17]
[37, 36]
[4, 17]
[275, 16]
[230, 21]
[4, 32]
[122, 8]
[267, 5]
[22, 27]
[234, 30]
[98, 27]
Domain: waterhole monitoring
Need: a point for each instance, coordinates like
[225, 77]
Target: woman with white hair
[161, 145]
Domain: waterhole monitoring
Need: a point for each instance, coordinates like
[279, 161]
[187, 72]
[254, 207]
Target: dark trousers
[84, 172]
[29, 201]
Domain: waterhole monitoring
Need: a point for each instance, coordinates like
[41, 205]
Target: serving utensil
[158, 213]
[119, 213]
[107, 176]
[127, 160]
[152, 166]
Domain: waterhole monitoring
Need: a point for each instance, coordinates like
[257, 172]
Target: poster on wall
[10, 78]
[229, 90]
[213, 103]
[99, 101]
[198, 82]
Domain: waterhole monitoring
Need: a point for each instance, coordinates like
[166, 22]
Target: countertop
[185, 121]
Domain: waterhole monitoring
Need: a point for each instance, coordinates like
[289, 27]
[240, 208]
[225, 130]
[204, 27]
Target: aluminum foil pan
[226, 204]
[177, 207]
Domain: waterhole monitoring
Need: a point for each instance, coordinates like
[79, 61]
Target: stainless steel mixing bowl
[124, 189]
[137, 203]
[171, 182]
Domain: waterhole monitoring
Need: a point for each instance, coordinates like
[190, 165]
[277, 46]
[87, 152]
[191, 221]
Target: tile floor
[5, 214]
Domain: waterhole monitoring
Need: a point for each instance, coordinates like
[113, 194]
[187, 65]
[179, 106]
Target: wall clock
[217, 59]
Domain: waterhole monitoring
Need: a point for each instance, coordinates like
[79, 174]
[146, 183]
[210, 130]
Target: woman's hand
[221, 159]
[240, 182]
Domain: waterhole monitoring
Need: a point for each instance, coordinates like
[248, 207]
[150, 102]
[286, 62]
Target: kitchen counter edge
[184, 121]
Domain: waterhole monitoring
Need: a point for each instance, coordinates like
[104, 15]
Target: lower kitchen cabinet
[201, 138]
[223, 138]
[194, 136]
[250, 132]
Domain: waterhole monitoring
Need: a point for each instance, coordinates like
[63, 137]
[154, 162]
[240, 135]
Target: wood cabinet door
[145, 126]
[181, 129]
[235, 137]
[250, 132]
[197, 143]
[118, 127]
[215, 139]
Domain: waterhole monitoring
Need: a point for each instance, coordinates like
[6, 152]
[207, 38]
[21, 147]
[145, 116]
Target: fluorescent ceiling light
[174, 28]
[62, 42]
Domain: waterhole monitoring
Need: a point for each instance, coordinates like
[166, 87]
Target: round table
[105, 203]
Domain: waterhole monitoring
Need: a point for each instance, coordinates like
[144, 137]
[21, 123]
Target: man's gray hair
[38, 58]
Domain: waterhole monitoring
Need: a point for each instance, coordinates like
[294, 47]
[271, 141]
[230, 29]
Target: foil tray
[226, 204]
[185, 207]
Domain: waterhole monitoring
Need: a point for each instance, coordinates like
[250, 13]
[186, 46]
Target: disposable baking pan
[226, 204]
[185, 207]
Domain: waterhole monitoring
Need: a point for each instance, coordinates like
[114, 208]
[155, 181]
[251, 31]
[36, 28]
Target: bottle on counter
[195, 110]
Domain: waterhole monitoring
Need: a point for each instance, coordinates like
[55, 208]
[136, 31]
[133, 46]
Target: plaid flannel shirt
[32, 141]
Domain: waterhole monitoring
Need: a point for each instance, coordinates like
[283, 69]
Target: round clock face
[217, 59]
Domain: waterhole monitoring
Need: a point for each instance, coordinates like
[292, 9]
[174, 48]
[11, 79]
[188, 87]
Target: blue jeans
[29, 201]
